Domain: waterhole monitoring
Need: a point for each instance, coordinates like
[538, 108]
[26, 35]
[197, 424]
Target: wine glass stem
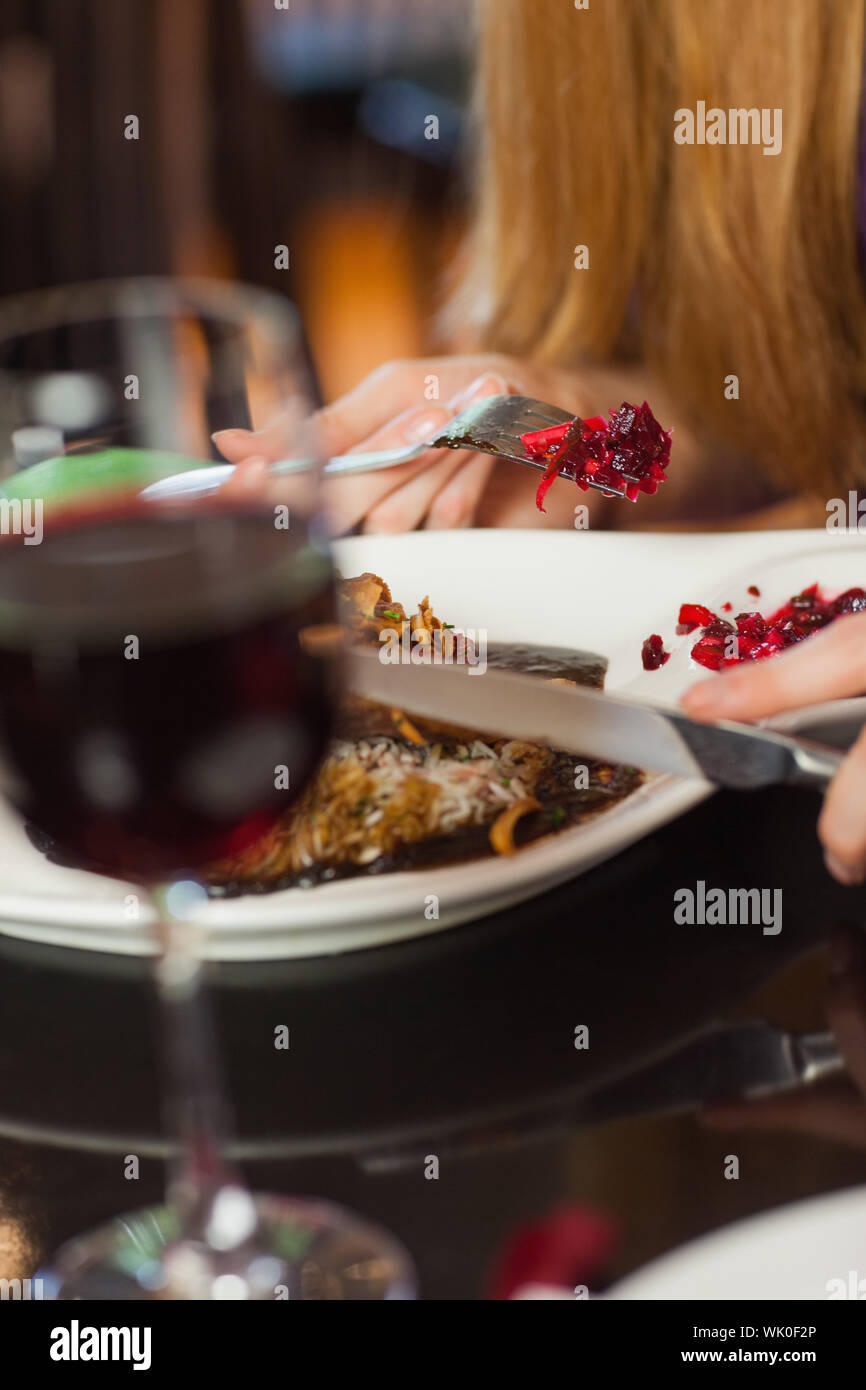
[195, 1109]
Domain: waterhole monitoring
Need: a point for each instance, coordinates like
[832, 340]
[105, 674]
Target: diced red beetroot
[758, 637]
[537, 442]
[695, 614]
[624, 455]
[653, 653]
[718, 627]
[805, 599]
[709, 652]
[852, 601]
[751, 626]
[770, 647]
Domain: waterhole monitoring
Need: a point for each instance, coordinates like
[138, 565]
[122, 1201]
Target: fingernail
[230, 434]
[250, 472]
[487, 385]
[840, 956]
[425, 427]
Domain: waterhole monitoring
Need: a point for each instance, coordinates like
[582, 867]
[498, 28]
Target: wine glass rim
[260, 586]
[144, 296]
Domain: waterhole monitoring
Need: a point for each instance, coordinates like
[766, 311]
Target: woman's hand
[834, 1111]
[831, 665]
[404, 403]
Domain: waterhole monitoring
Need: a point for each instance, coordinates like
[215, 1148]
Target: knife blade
[594, 724]
[743, 1061]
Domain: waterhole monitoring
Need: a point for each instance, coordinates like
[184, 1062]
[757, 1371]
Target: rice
[373, 795]
[471, 782]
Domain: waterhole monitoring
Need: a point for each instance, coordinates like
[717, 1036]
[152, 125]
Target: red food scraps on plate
[751, 636]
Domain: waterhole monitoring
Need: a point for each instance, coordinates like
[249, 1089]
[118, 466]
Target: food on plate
[751, 637]
[396, 791]
[694, 615]
[653, 654]
[625, 455]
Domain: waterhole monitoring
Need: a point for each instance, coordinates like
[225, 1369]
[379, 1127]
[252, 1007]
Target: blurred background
[305, 127]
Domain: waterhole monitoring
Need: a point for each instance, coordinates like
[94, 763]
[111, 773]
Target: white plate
[601, 592]
[810, 1250]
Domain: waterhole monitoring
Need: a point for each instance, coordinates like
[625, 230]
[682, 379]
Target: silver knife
[576, 720]
[744, 1061]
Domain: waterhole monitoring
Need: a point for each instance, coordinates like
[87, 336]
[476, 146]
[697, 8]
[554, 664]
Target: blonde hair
[704, 260]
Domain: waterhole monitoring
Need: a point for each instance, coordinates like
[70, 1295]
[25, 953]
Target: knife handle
[815, 765]
[819, 1057]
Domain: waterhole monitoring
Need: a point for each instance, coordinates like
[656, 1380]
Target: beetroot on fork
[624, 455]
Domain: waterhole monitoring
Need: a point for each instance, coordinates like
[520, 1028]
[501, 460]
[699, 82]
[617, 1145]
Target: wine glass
[163, 699]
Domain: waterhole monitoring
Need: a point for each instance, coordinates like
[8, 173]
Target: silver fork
[489, 426]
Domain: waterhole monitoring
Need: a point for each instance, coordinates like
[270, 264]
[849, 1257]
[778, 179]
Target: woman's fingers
[842, 824]
[405, 508]
[457, 504]
[249, 478]
[384, 394]
[253, 481]
[285, 436]
[397, 387]
[353, 497]
[830, 665]
[388, 394]
[398, 499]
[364, 422]
[391, 390]
[349, 499]
[271, 444]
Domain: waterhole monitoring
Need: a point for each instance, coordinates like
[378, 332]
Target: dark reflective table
[412, 1038]
[406, 1041]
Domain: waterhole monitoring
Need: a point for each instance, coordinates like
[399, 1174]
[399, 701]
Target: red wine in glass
[158, 706]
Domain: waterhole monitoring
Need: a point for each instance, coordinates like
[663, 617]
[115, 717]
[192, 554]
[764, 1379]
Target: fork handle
[344, 464]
